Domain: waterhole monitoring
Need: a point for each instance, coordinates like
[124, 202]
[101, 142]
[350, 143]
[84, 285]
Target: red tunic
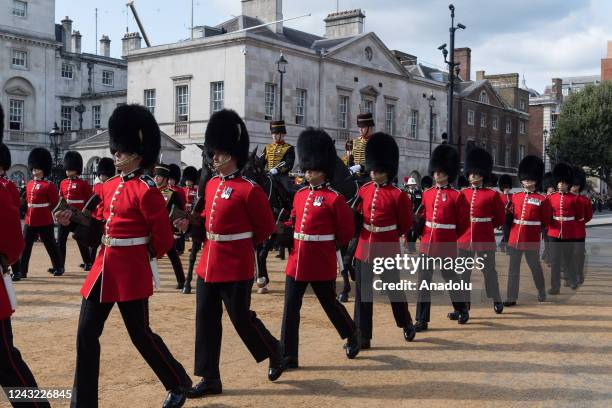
[382, 206]
[42, 197]
[98, 188]
[75, 191]
[318, 211]
[531, 213]
[506, 198]
[191, 194]
[444, 211]
[587, 209]
[11, 244]
[484, 214]
[566, 211]
[133, 207]
[12, 190]
[234, 205]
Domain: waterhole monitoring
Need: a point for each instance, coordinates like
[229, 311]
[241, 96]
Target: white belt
[435, 225]
[523, 222]
[124, 242]
[75, 201]
[30, 205]
[564, 218]
[229, 237]
[476, 219]
[373, 228]
[305, 237]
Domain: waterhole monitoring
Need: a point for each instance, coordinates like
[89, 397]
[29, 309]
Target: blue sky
[539, 39]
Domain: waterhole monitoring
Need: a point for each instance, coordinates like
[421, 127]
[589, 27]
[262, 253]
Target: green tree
[583, 135]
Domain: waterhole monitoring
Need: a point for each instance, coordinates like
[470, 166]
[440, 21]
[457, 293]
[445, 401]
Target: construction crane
[130, 4]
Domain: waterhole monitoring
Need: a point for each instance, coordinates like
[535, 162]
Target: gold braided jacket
[274, 154]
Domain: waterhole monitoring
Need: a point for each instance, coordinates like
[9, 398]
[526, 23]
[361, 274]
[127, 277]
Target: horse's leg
[193, 256]
[262, 268]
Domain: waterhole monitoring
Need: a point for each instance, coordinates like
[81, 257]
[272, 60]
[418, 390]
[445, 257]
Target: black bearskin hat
[133, 129]
[505, 181]
[479, 161]
[531, 168]
[316, 151]
[106, 167]
[445, 159]
[175, 172]
[548, 181]
[227, 133]
[73, 161]
[426, 182]
[579, 178]
[382, 154]
[190, 173]
[162, 170]
[40, 158]
[462, 182]
[563, 172]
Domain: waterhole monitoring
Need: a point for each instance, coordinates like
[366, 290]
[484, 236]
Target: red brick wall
[606, 69]
[536, 126]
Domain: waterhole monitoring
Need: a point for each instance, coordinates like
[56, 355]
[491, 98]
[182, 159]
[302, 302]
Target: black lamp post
[431, 100]
[281, 67]
[546, 164]
[55, 136]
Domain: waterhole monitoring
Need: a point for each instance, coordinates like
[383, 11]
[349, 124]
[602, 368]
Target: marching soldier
[548, 187]
[387, 215]
[564, 228]
[577, 187]
[505, 185]
[11, 188]
[237, 218]
[190, 191]
[104, 171]
[41, 196]
[162, 173]
[76, 192]
[416, 195]
[173, 184]
[279, 156]
[137, 228]
[530, 211]
[365, 123]
[484, 214]
[444, 212]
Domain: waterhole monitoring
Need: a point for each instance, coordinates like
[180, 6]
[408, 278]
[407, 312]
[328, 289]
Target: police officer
[237, 218]
[279, 156]
[577, 188]
[41, 197]
[321, 221]
[137, 228]
[366, 125]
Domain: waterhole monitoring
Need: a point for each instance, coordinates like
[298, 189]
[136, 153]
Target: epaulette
[249, 180]
[303, 188]
[330, 188]
[148, 181]
[368, 183]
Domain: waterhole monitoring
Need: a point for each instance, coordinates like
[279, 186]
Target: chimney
[463, 56]
[480, 75]
[344, 24]
[609, 48]
[76, 42]
[105, 46]
[67, 34]
[557, 89]
[131, 41]
[266, 11]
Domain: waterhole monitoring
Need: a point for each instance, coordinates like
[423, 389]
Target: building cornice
[33, 40]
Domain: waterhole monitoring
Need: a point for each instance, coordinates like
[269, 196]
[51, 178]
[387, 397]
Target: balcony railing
[180, 128]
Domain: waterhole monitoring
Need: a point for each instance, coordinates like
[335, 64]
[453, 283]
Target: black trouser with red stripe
[47, 236]
[152, 348]
[236, 296]
[326, 293]
[14, 372]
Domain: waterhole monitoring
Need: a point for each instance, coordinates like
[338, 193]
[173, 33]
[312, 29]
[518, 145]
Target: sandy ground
[552, 354]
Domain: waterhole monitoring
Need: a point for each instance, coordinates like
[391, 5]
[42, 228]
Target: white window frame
[67, 70]
[217, 96]
[470, 117]
[18, 56]
[181, 99]
[96, 116]
[483, 98]
[16, 114]
[367, 105]
[494, 123]
[20, 12]
[522, 105]
[522, 127]
[483, 120]
[414, 124]
[300, 107]
[508, 126]
[269, 100]
[108, 78]
[150, 99]
[343, 111]
[390, 118]
[66, 118]
[521, 152]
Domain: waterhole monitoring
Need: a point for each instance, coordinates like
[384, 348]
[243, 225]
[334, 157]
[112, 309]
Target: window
[15, 114]
[470, 117]
[20, 8]
[390, 119]
[484, 98]
[553, 120]
[494, 123]
[414, 120]
[182, 103]
[108, 78]
[521, 127]
[66, 124]
[149, 100]
[216, 95]
[270, 101]
[343, 112]
[95, 113]
[300, 107]
[507, 157]
[367, 106]
[522, 105]
[494, 155]
[508, 126]
[521, 152]
[565, 91]
[20, 58]
[483, 120]
[66, 70]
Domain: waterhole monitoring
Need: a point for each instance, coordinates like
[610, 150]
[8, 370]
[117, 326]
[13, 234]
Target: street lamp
[431, 99]
[55, 136]
[546, 163]
[281, 67]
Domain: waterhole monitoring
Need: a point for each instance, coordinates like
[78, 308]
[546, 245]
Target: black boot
[498, 307]
[205, 387]
[58, 272]
[176, 398]
[453, 315]
[463, 317]
[187, 288]
[409, 332]
[509, 303]
[277, 366]
[421, 326]
[542, 296]
[352, 346]
[16, 277]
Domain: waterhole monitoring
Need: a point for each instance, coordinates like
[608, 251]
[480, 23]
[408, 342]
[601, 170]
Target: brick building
[606, 65]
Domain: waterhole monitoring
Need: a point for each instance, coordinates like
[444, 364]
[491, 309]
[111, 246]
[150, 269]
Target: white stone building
[45, 79]
[328, 81]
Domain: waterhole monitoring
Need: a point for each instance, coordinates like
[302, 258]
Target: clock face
[368, 53]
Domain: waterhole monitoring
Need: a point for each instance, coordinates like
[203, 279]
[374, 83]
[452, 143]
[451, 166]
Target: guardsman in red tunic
[444, 212]
[505, 186]
[321, 221]
[484, 214]
[76, 192]
[173, 184]
[190, 179]
[105, 170]
[387, 215]
[41, 196]
[564, 228]
[237, 217]
[137, 228]
[577, 188]
[530, 213]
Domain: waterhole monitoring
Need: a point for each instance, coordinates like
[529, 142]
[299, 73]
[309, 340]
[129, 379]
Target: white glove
[274, 172]
[355, 169]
